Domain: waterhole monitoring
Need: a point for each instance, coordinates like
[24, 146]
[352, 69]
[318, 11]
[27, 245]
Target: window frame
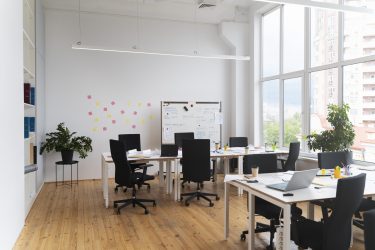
[305, 73]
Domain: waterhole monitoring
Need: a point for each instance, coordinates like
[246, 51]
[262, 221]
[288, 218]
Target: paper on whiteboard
[218, 118]
[168, 135]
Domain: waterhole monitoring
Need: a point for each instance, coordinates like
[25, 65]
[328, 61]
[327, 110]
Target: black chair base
[134, 202]
[199, 195]
[262, 228]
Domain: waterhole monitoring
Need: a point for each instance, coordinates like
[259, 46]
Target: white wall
[12, 207]
[40, 95]
[73, 75]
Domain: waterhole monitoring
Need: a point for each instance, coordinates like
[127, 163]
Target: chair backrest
[290, 163]
[122, 168]
[180, 137]
[238, 142]
[196, 158]
[267, 163]
[131, 141]
[330, 160]
[338, 227]
[369, 220]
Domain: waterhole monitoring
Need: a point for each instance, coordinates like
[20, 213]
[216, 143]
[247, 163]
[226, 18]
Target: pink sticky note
[89, 97]
[135, 113]
[114, 121]
[122, 112]
[134, 126]
[90, 113]
[104, 128]
[105, 109]
[113, 103]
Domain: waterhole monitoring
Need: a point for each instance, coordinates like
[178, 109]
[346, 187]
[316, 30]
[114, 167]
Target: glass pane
[271, 43]
[359, 93]
[324, 91]
[359, 31]
[294, 18]
[292, 110]
[324, 37]
[271, 111]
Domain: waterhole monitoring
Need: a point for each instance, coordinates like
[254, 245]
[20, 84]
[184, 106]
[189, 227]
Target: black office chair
[125, 177]
[369, 219]
[334, 232]
[197, 167]
[329, 160]
[236, 142]
[267, 163]
[289, 164]
[132, 141]
[178, 139]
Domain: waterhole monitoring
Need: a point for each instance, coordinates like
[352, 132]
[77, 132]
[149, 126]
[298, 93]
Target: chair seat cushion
[271, 211]
[366, 204]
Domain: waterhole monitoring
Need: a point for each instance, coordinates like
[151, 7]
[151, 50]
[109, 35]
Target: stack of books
[28, 94]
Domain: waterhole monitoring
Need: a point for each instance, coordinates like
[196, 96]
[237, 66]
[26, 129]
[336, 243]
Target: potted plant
[340, 137]
[64, 141]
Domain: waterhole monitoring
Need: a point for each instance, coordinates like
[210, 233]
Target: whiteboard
[203, 118]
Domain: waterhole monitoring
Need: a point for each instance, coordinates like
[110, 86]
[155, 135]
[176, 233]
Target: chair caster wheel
[182, 198]
[217, 198]
[118, 211]
[125, 190]
[243, 237]
[187, 204]
[146, 211]
[154, 205]
[211, 204]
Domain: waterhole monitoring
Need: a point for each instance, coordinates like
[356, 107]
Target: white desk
[225, 156]
[276, 197]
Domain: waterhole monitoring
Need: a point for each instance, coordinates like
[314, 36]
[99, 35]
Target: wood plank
[74, 217]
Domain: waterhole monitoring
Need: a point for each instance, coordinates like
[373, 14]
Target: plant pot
[67, 155]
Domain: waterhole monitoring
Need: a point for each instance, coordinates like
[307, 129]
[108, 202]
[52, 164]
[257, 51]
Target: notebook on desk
[299, 180]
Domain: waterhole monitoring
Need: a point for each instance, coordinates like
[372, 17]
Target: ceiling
[179, 10]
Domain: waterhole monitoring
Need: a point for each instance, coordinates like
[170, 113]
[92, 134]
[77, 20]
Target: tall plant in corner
[340, 137]
[64, 141]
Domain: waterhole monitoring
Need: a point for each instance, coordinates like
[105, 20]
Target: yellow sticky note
[129, 104]
[96, 119]
[109, 116]
[97, 103]
[127, 120]
[151, 117]
[94, 129]
[142, 121]
[139, 104]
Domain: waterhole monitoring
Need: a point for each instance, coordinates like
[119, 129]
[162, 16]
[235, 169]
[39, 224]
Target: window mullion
[281, 82]
[340, 57]
[306, 80]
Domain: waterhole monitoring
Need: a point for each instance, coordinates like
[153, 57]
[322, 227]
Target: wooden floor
[66, 217]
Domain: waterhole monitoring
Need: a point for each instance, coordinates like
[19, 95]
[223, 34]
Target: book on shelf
[26, 127]
[35, 154]
[32, 124]
[26, 92]
[32, 96]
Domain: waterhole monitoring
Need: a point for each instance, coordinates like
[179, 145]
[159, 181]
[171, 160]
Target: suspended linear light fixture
[136, 48]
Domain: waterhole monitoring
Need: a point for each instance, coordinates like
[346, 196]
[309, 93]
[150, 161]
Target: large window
[271, 43]
[325, 55]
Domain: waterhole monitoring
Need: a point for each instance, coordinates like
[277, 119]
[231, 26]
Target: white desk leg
[226, 165]
[226, 210]
[171, 176]
[177, 190]
[251, 241]
[161, 173]
[310, 211]
[105, 181]
[240, 171]
[168, 177]
[287, 221]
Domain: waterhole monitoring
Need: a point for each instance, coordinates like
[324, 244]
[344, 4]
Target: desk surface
[307, 194]
[156, 156]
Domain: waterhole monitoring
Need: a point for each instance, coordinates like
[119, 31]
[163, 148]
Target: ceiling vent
[206, 4]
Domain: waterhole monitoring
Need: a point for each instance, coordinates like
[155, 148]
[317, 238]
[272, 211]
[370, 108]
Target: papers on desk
[324, 182]
[238, 177]
[132, 152]
[367, 168]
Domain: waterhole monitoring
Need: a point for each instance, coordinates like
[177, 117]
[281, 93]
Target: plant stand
[61, 163]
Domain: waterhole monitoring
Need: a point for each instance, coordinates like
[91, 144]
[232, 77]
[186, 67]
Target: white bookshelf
[29, 69]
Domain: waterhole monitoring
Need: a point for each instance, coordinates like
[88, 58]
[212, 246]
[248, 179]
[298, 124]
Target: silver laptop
[300, 179]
